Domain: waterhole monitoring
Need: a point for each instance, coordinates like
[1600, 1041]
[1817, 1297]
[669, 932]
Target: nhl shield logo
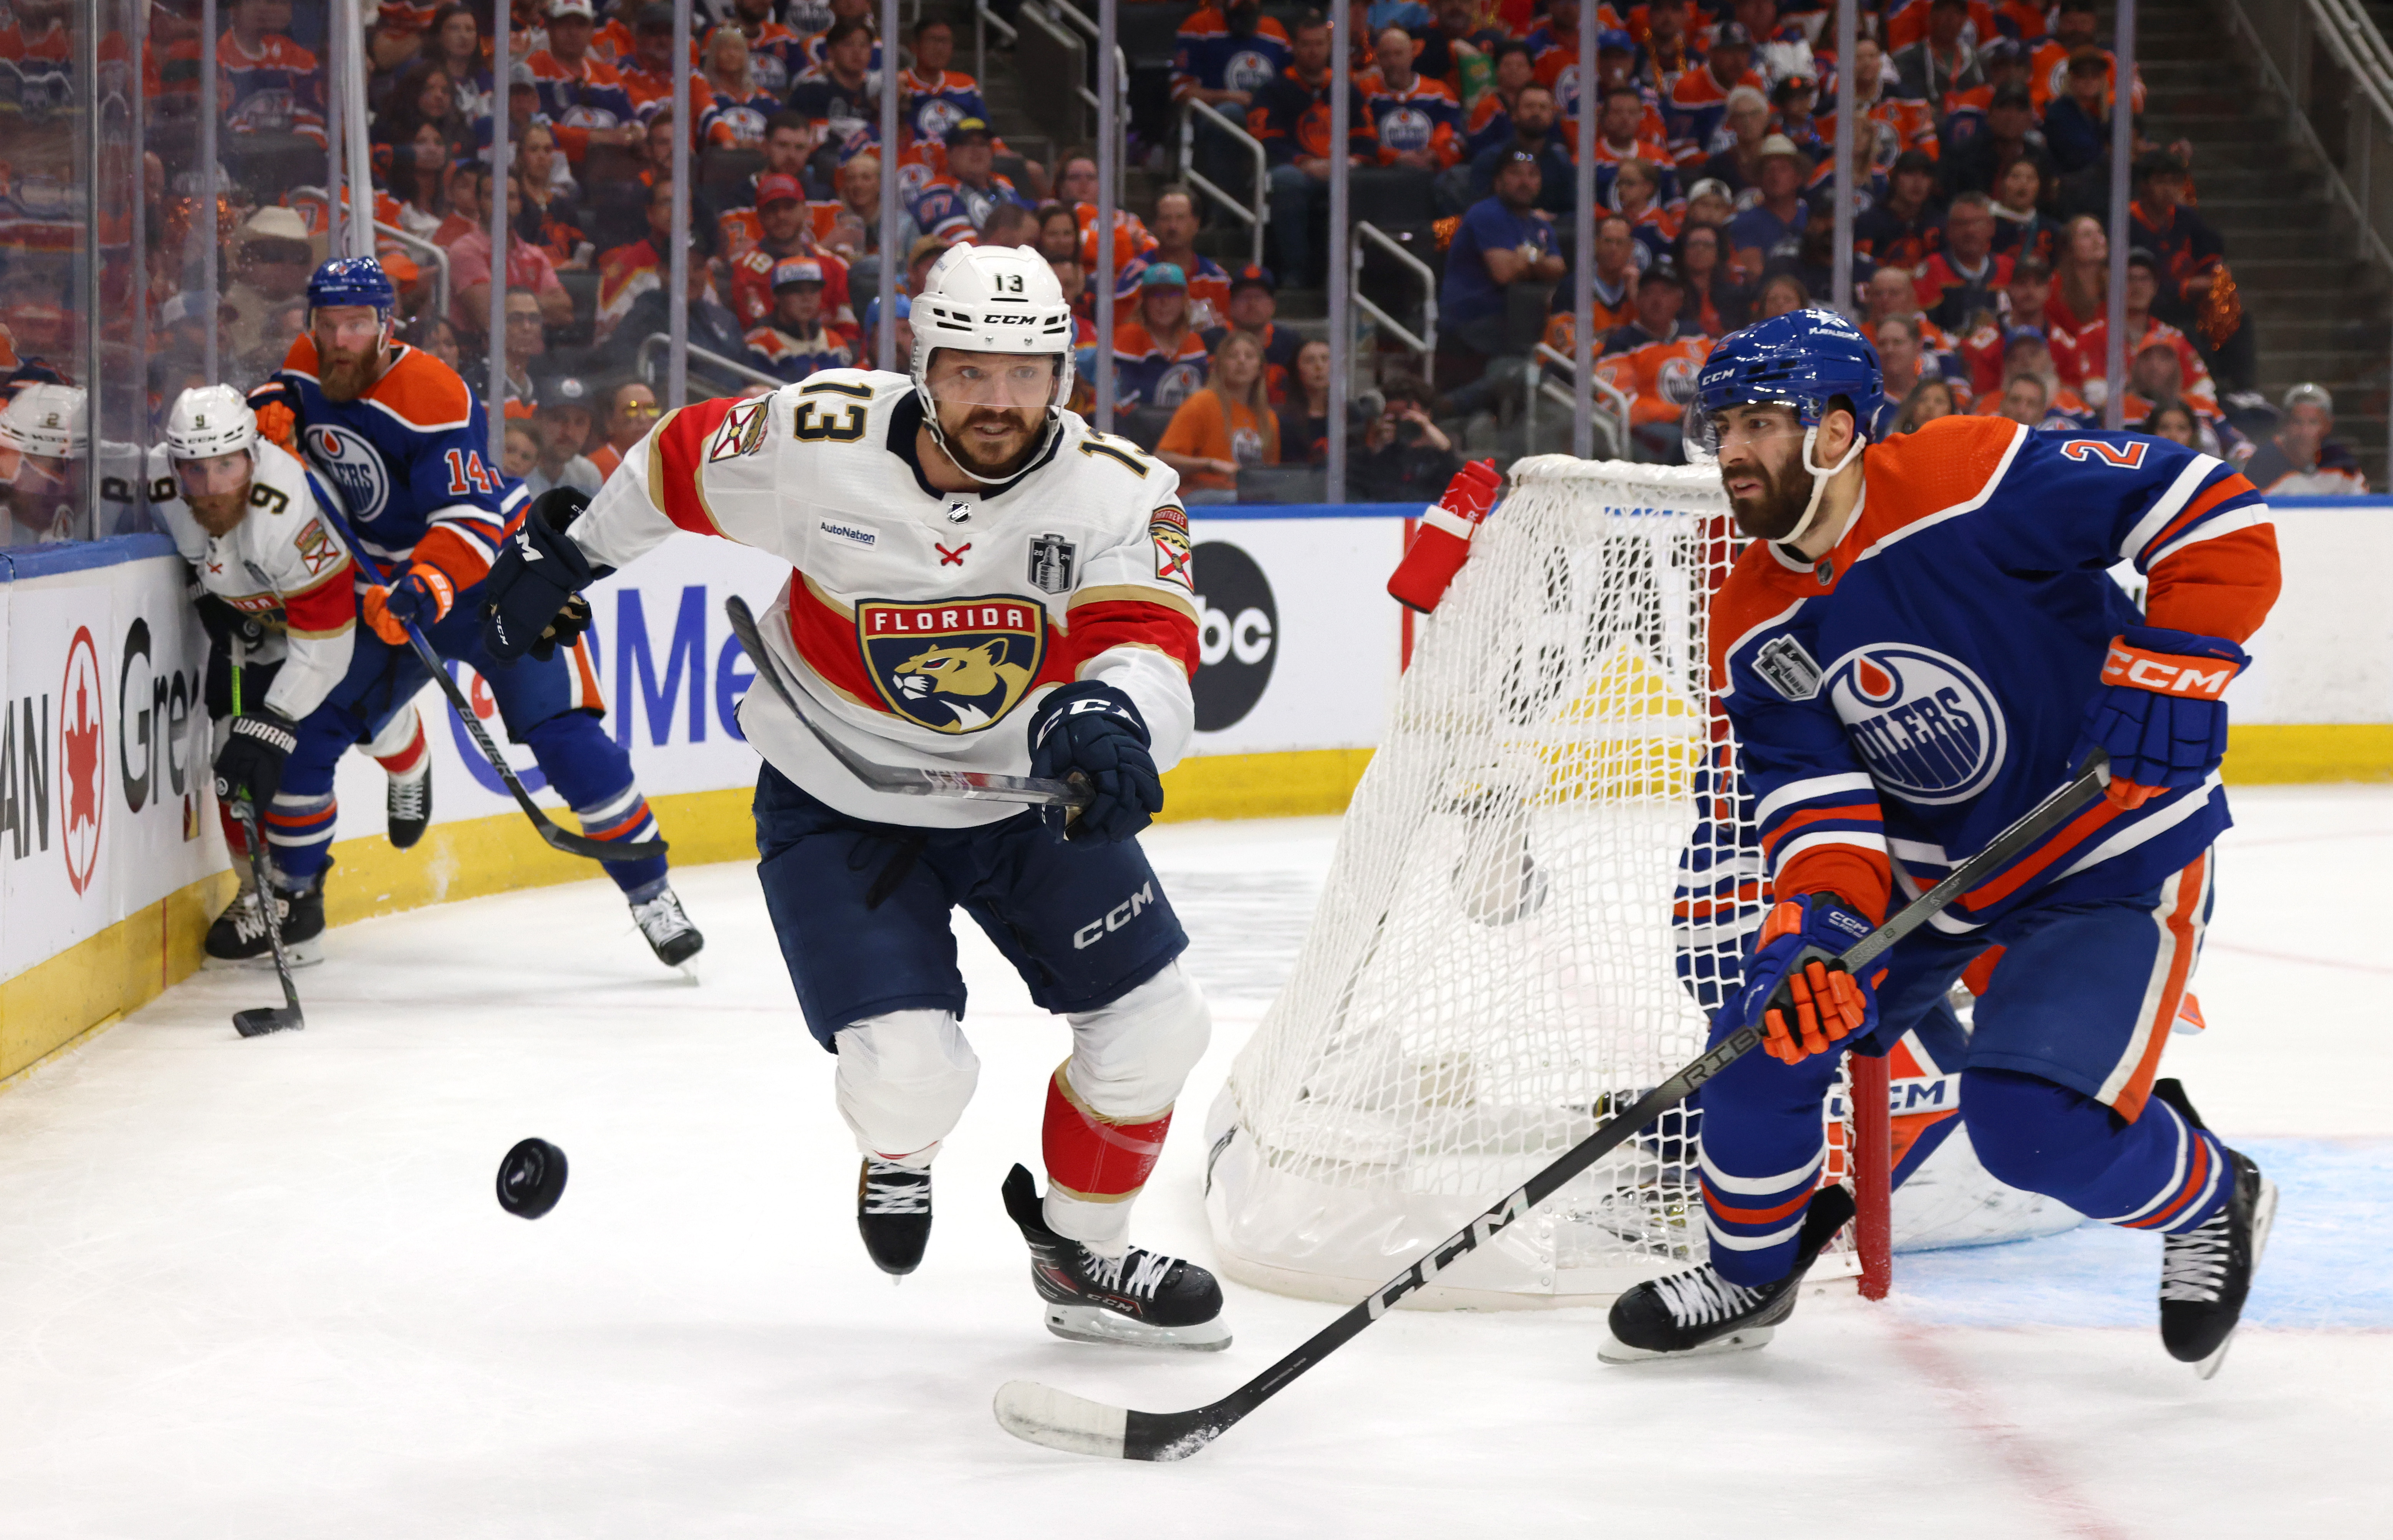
[956, 666]
[1050, 564]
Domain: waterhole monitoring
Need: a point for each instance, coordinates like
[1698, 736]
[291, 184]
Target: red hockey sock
[1092, 1156]
[407, 761]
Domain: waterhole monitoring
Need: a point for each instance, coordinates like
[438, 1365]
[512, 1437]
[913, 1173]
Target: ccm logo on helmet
[2204, 678]
[1008, 320]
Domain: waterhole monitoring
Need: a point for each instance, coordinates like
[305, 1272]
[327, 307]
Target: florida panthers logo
[1927, 727]
[353, 466]
[954, 667]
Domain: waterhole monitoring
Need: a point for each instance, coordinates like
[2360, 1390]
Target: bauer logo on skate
[1926, 725]
[956, 667]
[354, 468]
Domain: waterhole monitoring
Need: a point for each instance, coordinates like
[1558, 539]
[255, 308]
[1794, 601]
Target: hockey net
[1541, 887]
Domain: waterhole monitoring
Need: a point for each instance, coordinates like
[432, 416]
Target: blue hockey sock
[1764, 1141]
[592, 772]
[299, 829]
[2159, 1172]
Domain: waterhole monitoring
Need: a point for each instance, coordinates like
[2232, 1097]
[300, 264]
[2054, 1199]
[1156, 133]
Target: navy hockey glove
[2161, 712]
[249, 767]
[1802, 1001]
[1095, 730]
[531, 601]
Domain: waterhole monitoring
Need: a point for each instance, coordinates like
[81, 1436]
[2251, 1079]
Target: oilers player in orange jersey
[1922, 642]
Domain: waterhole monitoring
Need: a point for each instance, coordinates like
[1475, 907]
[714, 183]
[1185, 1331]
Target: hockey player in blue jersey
[1921, 643]
[401, 439]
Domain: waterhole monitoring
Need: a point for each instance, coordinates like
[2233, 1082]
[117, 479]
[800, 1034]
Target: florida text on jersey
[408, 458]
[922, 623]
[1908, 696]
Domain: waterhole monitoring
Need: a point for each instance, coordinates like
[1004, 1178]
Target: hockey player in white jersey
[274, 583]
[981, 583]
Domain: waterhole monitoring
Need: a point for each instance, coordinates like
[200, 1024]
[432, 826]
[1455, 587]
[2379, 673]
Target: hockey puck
[532, 1179]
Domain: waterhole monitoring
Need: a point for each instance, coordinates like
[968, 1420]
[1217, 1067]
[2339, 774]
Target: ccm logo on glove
[2204, 678]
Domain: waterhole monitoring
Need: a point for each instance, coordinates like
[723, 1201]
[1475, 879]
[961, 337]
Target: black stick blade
[1058, 1419]
[268, 1018]
[532, 1179]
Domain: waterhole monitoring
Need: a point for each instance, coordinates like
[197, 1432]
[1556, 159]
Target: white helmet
[208, 421]
[47, 420]
[992, 299]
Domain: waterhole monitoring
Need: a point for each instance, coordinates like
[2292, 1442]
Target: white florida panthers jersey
[283, 564]
[921, 624]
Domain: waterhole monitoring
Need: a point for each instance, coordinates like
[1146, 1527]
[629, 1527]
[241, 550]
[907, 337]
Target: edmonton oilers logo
[1928, 729]
[1407, 128]
[352, 466]
[1249, 69]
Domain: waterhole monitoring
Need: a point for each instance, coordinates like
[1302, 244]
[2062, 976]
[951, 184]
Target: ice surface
[264, 1289]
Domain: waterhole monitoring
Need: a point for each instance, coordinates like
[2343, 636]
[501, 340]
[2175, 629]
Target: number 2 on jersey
[464, 468]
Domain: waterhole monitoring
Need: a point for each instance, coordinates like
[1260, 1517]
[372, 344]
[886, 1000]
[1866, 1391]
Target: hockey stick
[1061, 1420]
[898, 779]
[572, 844]
[260, 1020]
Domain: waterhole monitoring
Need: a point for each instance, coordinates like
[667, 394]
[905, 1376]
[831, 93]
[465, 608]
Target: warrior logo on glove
[955, 667]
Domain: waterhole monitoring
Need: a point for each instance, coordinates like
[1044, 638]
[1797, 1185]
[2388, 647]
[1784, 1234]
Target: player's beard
[344, 376]
[1772, 512]
[220, 513]
[961, 442]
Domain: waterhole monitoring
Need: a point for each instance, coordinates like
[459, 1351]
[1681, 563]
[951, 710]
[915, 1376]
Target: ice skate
[238, 938]
[1699, 1312]
[893, 1211]
[2206, 1272]
[670, 933]
[407, 805]
[1139, 1298]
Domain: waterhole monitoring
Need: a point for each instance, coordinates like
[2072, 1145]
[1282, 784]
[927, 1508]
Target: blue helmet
[353, 280]
[1802, 360]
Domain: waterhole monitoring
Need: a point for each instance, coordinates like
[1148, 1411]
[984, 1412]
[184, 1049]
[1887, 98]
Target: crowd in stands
[1979, 177]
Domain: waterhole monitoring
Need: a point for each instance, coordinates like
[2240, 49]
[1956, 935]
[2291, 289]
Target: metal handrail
[1254, 215]
[418, 246]
[2354, 203]
[983, 19]
[1046, 24]
[1619, 400]
[1426, 343]
[1080, 18]
[704, 356]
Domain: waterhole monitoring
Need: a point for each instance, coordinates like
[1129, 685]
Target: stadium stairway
[2319, 312]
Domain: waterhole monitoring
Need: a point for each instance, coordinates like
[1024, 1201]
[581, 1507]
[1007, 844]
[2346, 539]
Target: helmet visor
[1007, 381]
[1710, 434]
[213, 476]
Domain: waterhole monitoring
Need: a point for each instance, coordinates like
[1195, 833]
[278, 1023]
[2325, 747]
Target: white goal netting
[1495, 963]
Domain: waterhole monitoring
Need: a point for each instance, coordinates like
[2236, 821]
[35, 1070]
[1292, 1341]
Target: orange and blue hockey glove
[1804, 1002]
[421, 598]
[2161, 711]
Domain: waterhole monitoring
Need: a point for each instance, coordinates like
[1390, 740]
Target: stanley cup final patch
[956, 666]
[1788, 669]
[1167, 527]
[1051, 560]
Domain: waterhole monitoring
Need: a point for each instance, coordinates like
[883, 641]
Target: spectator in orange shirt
[526, 266]
[1227, 425]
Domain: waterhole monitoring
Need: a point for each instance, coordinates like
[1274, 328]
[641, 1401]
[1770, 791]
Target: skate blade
[1614, 1351]
[1093, 1323]
[2263, 1214]
[299, 954]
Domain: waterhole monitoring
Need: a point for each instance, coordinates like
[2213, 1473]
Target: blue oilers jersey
[1910, 695]
[409, 457]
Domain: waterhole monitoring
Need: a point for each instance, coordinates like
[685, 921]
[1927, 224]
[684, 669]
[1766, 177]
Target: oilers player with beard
[980, 582]
[1922, 642]
[398, 436]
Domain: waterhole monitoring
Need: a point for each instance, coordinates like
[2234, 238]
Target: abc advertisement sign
[1298, 641]
[104, 807]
